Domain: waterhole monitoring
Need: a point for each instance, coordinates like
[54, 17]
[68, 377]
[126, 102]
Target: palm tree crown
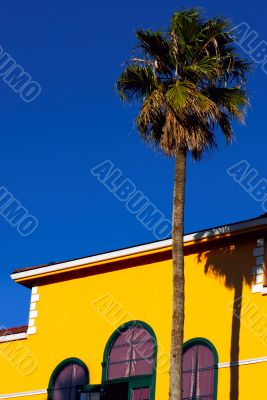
[189, 81]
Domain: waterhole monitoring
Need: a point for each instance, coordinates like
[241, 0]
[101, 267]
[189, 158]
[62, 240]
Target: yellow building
[99, 327]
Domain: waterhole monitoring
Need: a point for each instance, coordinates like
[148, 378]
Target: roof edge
[17, 330]
[130, 251]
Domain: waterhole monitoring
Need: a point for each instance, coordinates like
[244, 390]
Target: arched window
[200, 362]
[67, 379]
[129, 363]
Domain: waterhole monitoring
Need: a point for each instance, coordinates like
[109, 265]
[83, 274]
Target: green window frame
[205, 342]
[59, 367]
[139, 381]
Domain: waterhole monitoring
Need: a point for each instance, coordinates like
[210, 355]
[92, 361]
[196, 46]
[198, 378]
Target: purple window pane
[124, 338]
[60, 394]
[136, 394]
[78, 375]
[205, 382]
[66, 382]
[120, 370]
[145, 394]
[198, 372]
[131, 354]
[140, 394]
[189, 358]
[143, 350]
[188, 384]
[211, 397]
[120, 354]
[63, 378]
[141, 367]
[140, 335]
[205, 357]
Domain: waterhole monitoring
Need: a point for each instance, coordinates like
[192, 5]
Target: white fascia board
[23, 394]
[222, 230]
[242, 362]
[93, 259]
[16, 336]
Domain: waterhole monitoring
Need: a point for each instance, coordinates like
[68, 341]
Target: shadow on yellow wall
[231, 263]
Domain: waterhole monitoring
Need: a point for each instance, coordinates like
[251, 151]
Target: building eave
[137, 251]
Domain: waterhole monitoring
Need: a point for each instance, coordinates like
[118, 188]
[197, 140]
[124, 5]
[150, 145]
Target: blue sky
[75, 50]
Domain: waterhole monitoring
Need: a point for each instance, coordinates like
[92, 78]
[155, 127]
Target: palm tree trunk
[177, 333]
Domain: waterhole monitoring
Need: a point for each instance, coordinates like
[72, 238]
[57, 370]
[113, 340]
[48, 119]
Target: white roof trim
[15, 336]
[242, 362]
[140, 249]
[22, 394]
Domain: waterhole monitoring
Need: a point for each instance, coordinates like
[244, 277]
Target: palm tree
[190, 83]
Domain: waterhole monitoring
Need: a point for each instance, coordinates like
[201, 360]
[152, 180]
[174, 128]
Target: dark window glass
[198, 373]
[117, 391]
[132, 354]
[67, 381]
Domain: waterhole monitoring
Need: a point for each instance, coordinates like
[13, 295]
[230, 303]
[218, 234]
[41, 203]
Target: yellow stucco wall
[76, 318]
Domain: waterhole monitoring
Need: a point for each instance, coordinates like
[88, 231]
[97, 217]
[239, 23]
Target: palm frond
[180, 94]
[224, 122]
[184, 28]
[136, 82]
[155, 46]
[214, 28]
[205, 68]
[151, 118]
[233, 100]
[234, 69]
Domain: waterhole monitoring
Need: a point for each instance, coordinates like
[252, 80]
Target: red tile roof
[34, 267]
[13, 331]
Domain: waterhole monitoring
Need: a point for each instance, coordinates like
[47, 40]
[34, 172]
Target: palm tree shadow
[228, 263]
